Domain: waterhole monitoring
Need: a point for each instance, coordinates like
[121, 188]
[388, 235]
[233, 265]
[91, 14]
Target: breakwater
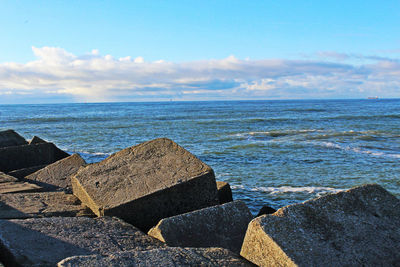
[271, 152]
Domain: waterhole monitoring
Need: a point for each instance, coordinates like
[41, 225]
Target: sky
[102, 51]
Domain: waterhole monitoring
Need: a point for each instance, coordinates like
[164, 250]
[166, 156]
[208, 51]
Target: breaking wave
[318, 190]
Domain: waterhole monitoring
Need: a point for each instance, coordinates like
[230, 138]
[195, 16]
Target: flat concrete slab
[10, 184]
[46, 241]
[358, 227]
[11, 138]
[145, 183]
[166, 257]
[56, 176]
[5, 178]
[25, 156]
[16, 187]
[21, 173]
[45, 204]
[218, 226]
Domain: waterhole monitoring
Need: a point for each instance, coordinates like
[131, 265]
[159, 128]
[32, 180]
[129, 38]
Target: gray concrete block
[358, 227]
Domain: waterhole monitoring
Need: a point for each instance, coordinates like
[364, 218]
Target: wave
[360, 150]
[275, 133]
[314, 134]
[60, 119]
[246, 146]
[365, 117]
[94, 153]
[318, 190]
[306, 109]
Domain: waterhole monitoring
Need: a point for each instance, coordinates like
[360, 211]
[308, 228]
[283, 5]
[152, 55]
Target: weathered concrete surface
[5, 178]
[218, 226]
[46, 241]
[11, 138]
[10, 184]
[166, 257]
[21, 173]
[36, 140]
[224, 192]
[25, 156]
[56, 176]
[46, 204]
[358, 227]
[145, 183]
[16, 187]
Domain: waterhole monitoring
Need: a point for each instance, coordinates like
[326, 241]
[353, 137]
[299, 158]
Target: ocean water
[271, 152]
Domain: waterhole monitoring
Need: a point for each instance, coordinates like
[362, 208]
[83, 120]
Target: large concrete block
[166, 257]
[36, 140]
[10, 184]
[145, 183]
[56, 176]
[5, 178]
[224, 192]
[25, 156]
[46, 241]
[358, 227]
[45, 204]
[21, 173]
[11, 138]
[218, 226]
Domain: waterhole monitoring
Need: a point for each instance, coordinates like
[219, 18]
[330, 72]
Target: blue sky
[76, 51]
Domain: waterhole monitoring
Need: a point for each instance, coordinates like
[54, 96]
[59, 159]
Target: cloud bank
[93, 77]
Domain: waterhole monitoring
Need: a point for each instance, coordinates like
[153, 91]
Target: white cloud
[139, 60]
[93, 77]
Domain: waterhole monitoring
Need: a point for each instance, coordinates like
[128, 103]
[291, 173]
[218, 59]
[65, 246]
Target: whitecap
[318, 190]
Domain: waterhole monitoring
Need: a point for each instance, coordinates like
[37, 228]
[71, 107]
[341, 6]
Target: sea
[273, 153]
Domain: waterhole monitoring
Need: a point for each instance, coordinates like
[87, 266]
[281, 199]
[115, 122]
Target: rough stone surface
[11, 138]
[21, 173]
[10, 184]
[25, 156]
[16, 187]
[218, 226]
[56, 176]
[224, 192]
[5, 178]
[36, 140]
[46, 241]
[145, 183]
[358, 227]
[46, 204]
[166, 257]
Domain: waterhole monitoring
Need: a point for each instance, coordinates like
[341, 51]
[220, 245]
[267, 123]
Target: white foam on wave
[358, 150]
[318, 190]
[94, 153]
[275, 133]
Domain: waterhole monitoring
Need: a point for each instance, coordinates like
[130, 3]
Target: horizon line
[216, 100]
